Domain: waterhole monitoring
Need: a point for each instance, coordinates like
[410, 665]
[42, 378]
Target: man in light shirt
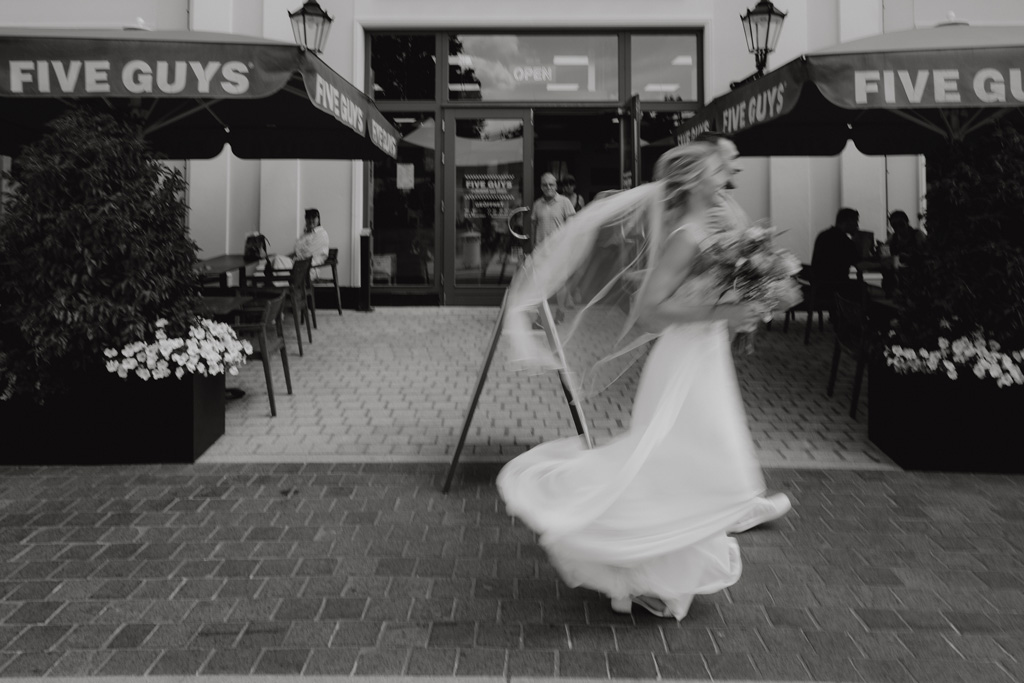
[550, 210]
[313, 244]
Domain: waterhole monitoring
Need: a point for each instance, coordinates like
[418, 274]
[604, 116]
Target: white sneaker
[655, 606]
[622, 605]
[763, 510]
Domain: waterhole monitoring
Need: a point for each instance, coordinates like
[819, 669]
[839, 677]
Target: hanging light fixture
[310, 26]
[761, 27]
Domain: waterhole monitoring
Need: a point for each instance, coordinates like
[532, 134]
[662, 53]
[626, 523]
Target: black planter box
[930, 422]
[105, 419]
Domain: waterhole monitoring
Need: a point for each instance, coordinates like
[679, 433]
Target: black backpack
[255, 247]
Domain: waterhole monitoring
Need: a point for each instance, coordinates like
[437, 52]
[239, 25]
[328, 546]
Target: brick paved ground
[396, 383]
[367, 569]
[294, 548]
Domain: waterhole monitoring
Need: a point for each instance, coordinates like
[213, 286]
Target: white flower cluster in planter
[212, 348]
[983, 357]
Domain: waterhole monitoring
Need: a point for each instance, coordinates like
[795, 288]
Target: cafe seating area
[395, 384]
[255, 302]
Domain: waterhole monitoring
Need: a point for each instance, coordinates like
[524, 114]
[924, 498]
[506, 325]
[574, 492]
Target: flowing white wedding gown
[648, 512]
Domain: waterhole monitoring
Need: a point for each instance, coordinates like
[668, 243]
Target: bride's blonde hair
[682, 169]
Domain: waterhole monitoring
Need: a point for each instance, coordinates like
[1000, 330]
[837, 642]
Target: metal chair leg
[835, 370]
[337, 289]
[296, 315]
[307, 314]
[857, 379]
[311, 303]
[265, 355]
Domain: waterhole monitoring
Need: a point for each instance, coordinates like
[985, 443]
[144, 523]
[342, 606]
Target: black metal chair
[852, 336]
[330, 262]
[297, 286]
[261, 322]
[813, 302]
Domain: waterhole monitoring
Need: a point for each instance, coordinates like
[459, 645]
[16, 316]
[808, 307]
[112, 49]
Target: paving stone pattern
[367, 569]
[396, 384]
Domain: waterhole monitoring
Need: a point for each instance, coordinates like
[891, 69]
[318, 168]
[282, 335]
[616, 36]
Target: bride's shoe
[655, 606]
[622, 605]
[764, 509]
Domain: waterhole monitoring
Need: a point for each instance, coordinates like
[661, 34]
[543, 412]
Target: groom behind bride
[727, 214]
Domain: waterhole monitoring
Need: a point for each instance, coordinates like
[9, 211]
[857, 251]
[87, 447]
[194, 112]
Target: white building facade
[524, 88]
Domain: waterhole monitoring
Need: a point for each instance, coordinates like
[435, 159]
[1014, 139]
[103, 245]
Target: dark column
[365, 269]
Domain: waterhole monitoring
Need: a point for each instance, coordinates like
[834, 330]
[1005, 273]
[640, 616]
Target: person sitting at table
[313, 243]
[835, 251]
[904, 243]
[905, 238]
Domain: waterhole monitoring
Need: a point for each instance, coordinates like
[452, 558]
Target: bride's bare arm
[659, 308]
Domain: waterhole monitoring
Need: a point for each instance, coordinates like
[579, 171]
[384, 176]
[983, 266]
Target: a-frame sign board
[548, 322]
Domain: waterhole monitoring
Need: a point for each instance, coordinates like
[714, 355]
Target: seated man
[313, 243]
[903, 246]
[906, 239]
[835, 251]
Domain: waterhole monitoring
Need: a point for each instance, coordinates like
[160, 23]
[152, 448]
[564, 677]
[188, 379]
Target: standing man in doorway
[550, 210]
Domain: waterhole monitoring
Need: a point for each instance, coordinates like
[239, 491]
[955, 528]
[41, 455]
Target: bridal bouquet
[737, 266]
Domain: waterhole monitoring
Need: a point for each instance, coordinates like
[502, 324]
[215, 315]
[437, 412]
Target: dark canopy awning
[905, 92]
[194, 91]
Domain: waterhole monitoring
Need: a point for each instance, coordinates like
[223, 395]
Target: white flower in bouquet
[744, 266]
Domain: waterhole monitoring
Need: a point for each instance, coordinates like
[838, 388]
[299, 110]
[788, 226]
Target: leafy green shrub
[94, 249]
[970, 275]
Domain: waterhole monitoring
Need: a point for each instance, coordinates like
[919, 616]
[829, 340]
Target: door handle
[508, 221]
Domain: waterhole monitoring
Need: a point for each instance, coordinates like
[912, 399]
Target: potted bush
[948, 389]
[102, 356]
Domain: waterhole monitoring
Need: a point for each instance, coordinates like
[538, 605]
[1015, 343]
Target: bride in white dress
[646, 518]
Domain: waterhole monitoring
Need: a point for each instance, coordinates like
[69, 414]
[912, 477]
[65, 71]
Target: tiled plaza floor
[367, 569]
[395, 384]
[317, 543]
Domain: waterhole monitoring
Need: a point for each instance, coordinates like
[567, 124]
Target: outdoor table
[870, 267]
[222, 306]
[222, 265]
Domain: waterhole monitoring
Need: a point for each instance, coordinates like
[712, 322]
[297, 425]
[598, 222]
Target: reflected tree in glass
[656, 128]
[403, 67]
[463, 83]
[488, 186]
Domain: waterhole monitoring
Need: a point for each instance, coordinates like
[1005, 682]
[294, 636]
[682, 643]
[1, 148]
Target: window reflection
[488, 188]
[403, 67]
[664, 68]
[656, 137]
[403, 206]
[494, 68]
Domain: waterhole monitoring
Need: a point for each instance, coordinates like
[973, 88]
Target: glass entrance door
[488, 195]
[629, 143]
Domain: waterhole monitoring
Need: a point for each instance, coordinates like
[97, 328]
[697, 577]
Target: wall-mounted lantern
[761, 27]
[310, 25]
